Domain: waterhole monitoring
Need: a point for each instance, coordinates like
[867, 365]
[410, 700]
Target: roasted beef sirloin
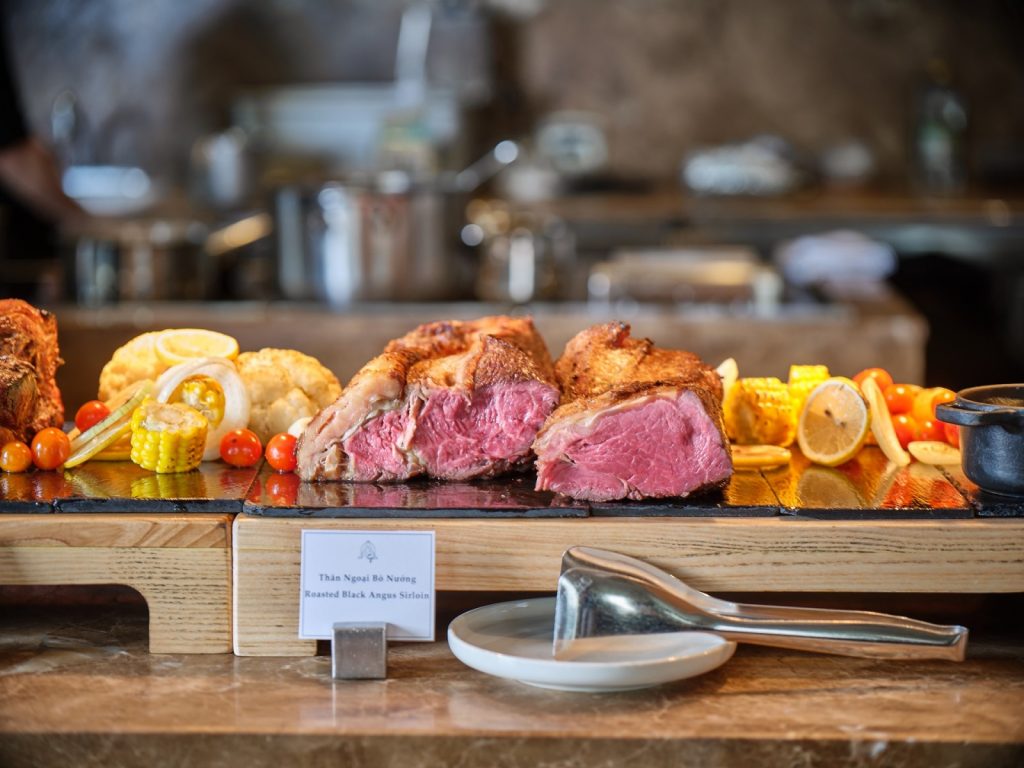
[452, 400]
[29, 357]
[636, 421]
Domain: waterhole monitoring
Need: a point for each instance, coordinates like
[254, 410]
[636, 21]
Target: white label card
[367, 576]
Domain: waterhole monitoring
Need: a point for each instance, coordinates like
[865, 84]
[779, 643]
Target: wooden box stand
[777, 554]
[181, 564]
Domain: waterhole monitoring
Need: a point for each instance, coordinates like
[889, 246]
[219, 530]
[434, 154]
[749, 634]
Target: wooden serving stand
[864, 528]
[167, 537]
[724, 555]
[180, 564]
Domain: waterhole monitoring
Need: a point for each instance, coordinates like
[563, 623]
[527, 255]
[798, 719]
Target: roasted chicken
[29, 358]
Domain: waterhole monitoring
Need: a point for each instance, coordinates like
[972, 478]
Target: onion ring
[236, 397]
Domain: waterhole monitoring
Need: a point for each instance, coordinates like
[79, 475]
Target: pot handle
[954, 413]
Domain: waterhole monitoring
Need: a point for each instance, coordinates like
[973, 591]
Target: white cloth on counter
[842, 256]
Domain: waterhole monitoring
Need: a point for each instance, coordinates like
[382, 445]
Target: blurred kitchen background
[832, 181]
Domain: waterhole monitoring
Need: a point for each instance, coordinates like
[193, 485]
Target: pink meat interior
[658, 448]
[373, 453]
[459, 437]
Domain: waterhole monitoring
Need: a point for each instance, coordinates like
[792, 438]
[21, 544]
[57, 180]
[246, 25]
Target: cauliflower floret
[284, 385]
[133, 362]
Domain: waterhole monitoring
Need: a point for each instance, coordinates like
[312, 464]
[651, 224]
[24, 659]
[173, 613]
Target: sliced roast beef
[453, 400]
[636, 421]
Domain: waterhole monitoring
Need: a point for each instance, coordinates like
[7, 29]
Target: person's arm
[29, 172]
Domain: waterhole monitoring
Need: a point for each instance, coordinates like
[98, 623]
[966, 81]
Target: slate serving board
[121, 486]
[284, 495]
[866, 488]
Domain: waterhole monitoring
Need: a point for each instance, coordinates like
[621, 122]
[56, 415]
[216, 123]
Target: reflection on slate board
[986, 504]
[121, 486]
[747, 495]
[868, 486]
[33, 491]
[285, 495]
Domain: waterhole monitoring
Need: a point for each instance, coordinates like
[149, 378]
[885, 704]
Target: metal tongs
[602, 593]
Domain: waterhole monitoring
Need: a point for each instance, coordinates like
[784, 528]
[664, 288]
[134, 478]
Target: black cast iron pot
[991, 421]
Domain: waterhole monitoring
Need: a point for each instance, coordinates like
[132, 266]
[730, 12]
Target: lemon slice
[934, 452]
[759, 456]
[178, 345]
[834, 422]
[881, 424]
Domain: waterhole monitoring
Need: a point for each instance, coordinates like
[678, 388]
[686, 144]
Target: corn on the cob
[759, 411]
[205, 395]
[802, 381]
[168, 437]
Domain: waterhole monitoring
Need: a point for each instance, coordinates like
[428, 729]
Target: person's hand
[28, 170]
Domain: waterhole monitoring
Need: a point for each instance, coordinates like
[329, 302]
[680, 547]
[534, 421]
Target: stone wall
[664, 76]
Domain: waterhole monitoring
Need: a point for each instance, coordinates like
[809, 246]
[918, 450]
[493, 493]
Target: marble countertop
[77, 687]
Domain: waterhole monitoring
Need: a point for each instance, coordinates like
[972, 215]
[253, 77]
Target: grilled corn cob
[205, 395]
[168, 437]
[759, 411]
[802, 381]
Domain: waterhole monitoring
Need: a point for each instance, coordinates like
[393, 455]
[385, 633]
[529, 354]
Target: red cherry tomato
[880, 375]
[280, 452]
[15, 456]
[91, 413]
[241, 448]
[952, 432]
[900, 397]
[930, 429]
[906, 428]
[50, 448]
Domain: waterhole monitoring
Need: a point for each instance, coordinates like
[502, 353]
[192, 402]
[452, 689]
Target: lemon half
[834, 422]
[177, 345]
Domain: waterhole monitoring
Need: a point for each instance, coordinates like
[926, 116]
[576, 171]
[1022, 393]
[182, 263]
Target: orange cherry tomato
[50, 448]
[952, 432]
[942, 395]
[929, 429]
[906, 428]
[925, 401]
[241, 448]
[15, 456]
[900, 397]
[91, 413]
[280, 452]
[880, 375]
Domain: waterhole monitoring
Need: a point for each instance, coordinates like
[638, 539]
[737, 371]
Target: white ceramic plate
[513, 640]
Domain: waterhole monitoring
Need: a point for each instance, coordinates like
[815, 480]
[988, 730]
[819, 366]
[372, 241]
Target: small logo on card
[368, 552]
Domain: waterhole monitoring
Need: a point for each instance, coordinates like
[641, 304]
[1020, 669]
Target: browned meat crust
[605, 357]
[29, 358]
